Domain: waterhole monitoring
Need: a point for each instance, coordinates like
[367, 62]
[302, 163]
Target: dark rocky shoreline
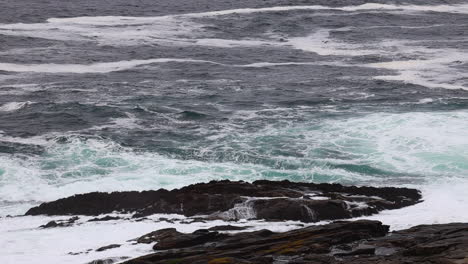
[340, 242]
[228, 200]
[362, 241]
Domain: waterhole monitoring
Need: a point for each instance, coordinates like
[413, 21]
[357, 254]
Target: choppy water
[116, 96]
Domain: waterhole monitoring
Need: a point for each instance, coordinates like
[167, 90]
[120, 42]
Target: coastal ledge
[358, 242]
[234, 200]
[338, 242]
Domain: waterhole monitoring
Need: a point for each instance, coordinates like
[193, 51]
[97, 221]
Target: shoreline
[215, 217]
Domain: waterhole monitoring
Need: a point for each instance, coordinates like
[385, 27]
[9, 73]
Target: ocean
[138, 95]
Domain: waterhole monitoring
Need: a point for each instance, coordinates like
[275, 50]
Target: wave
[13, 106]
[21, 234]
[173, 29]
[103, 67]
[444, 202]
[379, 149]
[437, 70]
[106, 67]
[106, 20]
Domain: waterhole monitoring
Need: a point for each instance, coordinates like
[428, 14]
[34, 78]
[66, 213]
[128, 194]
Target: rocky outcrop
[108, 247]
[271, 200]
[358, 242]
[60, 223]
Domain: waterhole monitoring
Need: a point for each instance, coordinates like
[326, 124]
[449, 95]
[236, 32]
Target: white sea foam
[106, 67]
[428, 150]
[36, 140]
[321, 43]
[429, 144]
[230, 43]
[275, 64]
[437, 70]
[103, 67]
[173, 29]
[23, 242]
[459, 8]
[431, 67]
[426, 101]
[414, 147]
[445, 201]
[13, 106]
[112, 30]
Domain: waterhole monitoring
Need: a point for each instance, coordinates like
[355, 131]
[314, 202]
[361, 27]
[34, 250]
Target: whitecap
[102, 67]
[437, 70]
[14, 106]
[174, 29]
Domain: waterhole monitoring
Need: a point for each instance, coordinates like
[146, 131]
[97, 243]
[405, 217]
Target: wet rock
[227, 228]
[107, 261]
[60, 223]
[188, 240]
[108, 247]
[105, 218]
[301, 210]
[359, 242]
[51, 224]
[271, 200]
[158, 235]
[358, 251]
[262, 246]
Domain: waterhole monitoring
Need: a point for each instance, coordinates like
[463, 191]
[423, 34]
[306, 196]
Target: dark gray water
[111, 95]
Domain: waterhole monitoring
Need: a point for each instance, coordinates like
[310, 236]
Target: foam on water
[110, 30]
[13, 106]
[106, 67]
[430, 67]
[103, 67]
[437, 70]
[379, 149]
[424, 150]
[444, 202]
[23, 241]
[174, 29]
[321, 43]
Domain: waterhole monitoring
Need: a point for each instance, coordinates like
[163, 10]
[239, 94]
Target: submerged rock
[108, 247]
[105, 218]
[271, 200]
[158, 235]
[228, 228]
[107, 260]
[60, 223]
[358, 242]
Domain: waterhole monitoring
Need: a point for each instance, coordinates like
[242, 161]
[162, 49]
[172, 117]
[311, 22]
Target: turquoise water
[415, 148]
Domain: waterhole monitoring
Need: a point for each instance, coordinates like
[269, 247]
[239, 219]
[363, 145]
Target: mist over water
[162, 95]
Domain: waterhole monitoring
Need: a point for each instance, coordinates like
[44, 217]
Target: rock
[204, 246]
[301, 210]
[108, 247]
[358, 251]
[51, 224]
[188, 240]
[108, 260]
[105, 218]
[158, 235]
[227, 228]
[359, 242]
[230, 200]
[61, 223]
